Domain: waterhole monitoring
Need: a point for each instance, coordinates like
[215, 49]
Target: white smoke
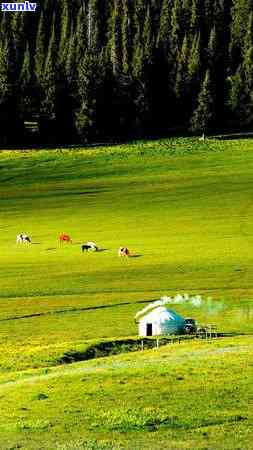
[196, 300]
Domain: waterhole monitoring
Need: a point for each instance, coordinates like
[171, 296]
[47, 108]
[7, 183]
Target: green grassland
[185, 210]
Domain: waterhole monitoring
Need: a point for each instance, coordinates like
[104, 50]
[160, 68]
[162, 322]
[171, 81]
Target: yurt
[160, 321]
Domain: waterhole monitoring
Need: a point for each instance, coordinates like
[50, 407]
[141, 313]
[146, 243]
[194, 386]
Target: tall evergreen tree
[64, 35]
[208, 14]
[148, 38]
[247, 67]
[186, 14]
[93, 26]
[126, 37]
[49, 76]
[71, 60]
[11, 129]
[26, 101]
[81, 42]
[194, 60]
[85, 117]
[212, 49]
[40, 47]
[137, 54]
[181, 85]
[138, 62]
[25, 74]
[235, 95]
[18, 29]
[163, 36]
[203, 114]
[47, 122]
[195, 16]
[240, 12]
[175, 34]
[3, 93]
[3, 73]
[115, 42]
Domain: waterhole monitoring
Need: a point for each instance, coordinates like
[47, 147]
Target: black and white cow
[23, 239]
[89, 246]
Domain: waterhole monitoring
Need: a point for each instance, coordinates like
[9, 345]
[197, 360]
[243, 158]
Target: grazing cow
[123, 251]
[65, 238]
[23, 239]
[89, 246]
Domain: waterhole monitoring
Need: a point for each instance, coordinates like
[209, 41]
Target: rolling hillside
[185, 210]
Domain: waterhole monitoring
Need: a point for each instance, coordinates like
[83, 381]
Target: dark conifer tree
[64, 35]
[93, 26]
[181, 86]
[203, 114]
[148, 38]
[40, 47]
[3, 93]
[85, 116]
[247, 72]
[126, 37]
[25, 74]
[194, 62]
[186, 14]
[163, 36]
[195, 23]
[81, 40]
[50, 76]
[208, 15]
[11, 127]
[3, 72]
[48, 89]
[240, 12]
[115, 47]
[235, 97]
[211, 52]
[18, 30]
[71, 59]
[26, 96]
[175, 34]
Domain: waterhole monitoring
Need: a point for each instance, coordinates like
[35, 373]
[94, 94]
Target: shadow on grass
[234, 334]
[73, 310]
[83, 243]
[135, 256]
[99, 250]
[233, 136]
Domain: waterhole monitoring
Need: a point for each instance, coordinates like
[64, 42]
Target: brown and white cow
[123, 251]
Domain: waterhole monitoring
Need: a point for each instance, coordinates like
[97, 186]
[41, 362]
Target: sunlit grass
[185, 208]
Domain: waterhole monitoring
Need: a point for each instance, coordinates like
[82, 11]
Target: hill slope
[184, 208]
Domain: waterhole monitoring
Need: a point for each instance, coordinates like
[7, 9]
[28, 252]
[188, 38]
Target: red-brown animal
[123, 251]
[65, 238]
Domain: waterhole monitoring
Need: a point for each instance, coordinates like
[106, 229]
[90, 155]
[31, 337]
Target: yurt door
[149, 329]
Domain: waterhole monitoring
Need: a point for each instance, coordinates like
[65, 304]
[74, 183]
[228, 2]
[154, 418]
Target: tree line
[94, 70]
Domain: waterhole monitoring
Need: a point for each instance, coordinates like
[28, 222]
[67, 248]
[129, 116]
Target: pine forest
[79, 71]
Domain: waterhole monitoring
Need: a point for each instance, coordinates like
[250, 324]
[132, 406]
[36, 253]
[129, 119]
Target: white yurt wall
[160, 321]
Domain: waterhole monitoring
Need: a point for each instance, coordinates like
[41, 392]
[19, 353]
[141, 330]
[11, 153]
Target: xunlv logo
[26, 6]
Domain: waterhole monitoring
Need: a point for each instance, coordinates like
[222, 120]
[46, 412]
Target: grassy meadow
[184, 208]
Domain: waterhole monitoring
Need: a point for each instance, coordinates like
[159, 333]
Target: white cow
[23, 239]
